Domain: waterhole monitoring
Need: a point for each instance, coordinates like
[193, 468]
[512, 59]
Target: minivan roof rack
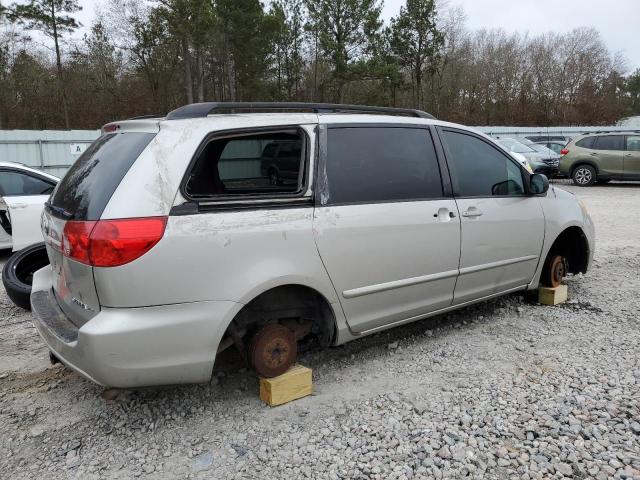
[200, 110]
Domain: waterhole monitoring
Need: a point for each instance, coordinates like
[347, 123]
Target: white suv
[170, 240]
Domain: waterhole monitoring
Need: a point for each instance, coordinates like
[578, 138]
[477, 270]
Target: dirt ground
[504, 389]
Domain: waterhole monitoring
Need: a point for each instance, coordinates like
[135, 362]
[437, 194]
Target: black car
[280, 161]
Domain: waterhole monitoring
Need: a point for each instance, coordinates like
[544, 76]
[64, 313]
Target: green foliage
[248, 34]
[348, 31]
[51, 17]
[632, 90]
[416, 41]
[150, 56]
[287, 18]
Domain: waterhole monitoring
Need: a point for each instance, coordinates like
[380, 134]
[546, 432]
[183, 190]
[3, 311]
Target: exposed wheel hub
[557, 270]
[273, 350]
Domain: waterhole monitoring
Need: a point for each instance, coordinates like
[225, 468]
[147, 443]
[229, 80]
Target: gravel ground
[506, 389]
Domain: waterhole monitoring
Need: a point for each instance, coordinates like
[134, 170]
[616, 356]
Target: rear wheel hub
[273, 350]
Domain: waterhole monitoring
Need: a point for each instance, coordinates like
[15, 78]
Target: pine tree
[416, 41]
[52, 18]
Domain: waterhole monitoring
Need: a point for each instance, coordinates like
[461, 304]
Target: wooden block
[552, 296]
[293, 384]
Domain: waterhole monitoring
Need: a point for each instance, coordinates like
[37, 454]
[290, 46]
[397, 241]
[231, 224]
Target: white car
[23, 191]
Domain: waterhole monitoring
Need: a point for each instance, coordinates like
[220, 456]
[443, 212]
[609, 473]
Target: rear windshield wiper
[58, 210]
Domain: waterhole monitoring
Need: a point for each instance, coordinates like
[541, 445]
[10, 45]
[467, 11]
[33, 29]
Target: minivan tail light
[110, 243]
[564, 151]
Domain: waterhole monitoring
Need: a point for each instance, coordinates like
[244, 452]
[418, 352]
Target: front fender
[562, 210]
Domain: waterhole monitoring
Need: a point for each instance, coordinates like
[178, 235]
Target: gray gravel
[506, 389]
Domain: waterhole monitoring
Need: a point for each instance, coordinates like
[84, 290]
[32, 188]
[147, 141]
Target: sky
[618, 21]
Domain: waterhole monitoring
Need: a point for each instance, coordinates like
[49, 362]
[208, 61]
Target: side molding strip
[500, 263]
[406, 282]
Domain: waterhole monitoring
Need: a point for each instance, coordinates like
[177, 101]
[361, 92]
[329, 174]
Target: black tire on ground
[584, 175]
[17, 273]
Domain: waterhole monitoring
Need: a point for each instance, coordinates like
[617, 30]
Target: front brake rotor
[557, 270]
[273, 350]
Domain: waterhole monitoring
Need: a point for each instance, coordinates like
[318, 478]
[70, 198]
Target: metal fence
[49, 150]
[55, 151]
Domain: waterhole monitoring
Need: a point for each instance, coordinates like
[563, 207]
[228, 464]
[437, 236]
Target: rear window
[251, 164]
[85, 190]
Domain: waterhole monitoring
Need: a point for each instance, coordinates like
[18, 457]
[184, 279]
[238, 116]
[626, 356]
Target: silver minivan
[169, 241]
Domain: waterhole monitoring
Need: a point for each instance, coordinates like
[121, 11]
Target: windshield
[515, 146]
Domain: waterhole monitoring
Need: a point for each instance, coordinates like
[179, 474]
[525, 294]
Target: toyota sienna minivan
[169, 242]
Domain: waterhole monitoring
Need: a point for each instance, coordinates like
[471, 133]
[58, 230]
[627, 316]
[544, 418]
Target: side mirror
[538, 184]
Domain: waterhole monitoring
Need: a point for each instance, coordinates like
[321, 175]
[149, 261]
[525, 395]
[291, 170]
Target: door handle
[444, 214]
[593, 154]
[473, 212]
[628, 154]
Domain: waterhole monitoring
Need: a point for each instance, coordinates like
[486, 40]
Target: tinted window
[610, 142]
[633, 143]
[14, 183]
[265, 163]
[85, 190]
[478, 169]
[381, 164]
[586, 142]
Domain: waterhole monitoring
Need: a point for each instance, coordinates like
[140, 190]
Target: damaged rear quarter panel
[226, 256]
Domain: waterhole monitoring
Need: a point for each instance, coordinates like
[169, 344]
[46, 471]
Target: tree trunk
[418, 89]
[200, 71]
[188, 81]
[229, 65]
[315, 66]
[61, 86]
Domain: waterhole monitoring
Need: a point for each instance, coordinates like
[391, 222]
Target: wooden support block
[293, 384]
[552, 296]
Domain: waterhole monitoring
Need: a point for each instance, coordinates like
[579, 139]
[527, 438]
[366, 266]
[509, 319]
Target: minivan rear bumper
[134, 347]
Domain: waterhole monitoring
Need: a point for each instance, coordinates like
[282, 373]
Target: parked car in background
[23, 192]
[540, 163]
[602, 157]
[546, 152]
[279, 161]
[523, 161]
[548, 138]
[157, 264]
[556, 146]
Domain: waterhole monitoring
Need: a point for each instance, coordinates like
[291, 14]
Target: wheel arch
[572, 243]
[286, 299]
[579, 163]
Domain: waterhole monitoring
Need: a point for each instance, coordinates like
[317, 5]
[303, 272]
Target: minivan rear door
[387, 235]
[81, 196]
